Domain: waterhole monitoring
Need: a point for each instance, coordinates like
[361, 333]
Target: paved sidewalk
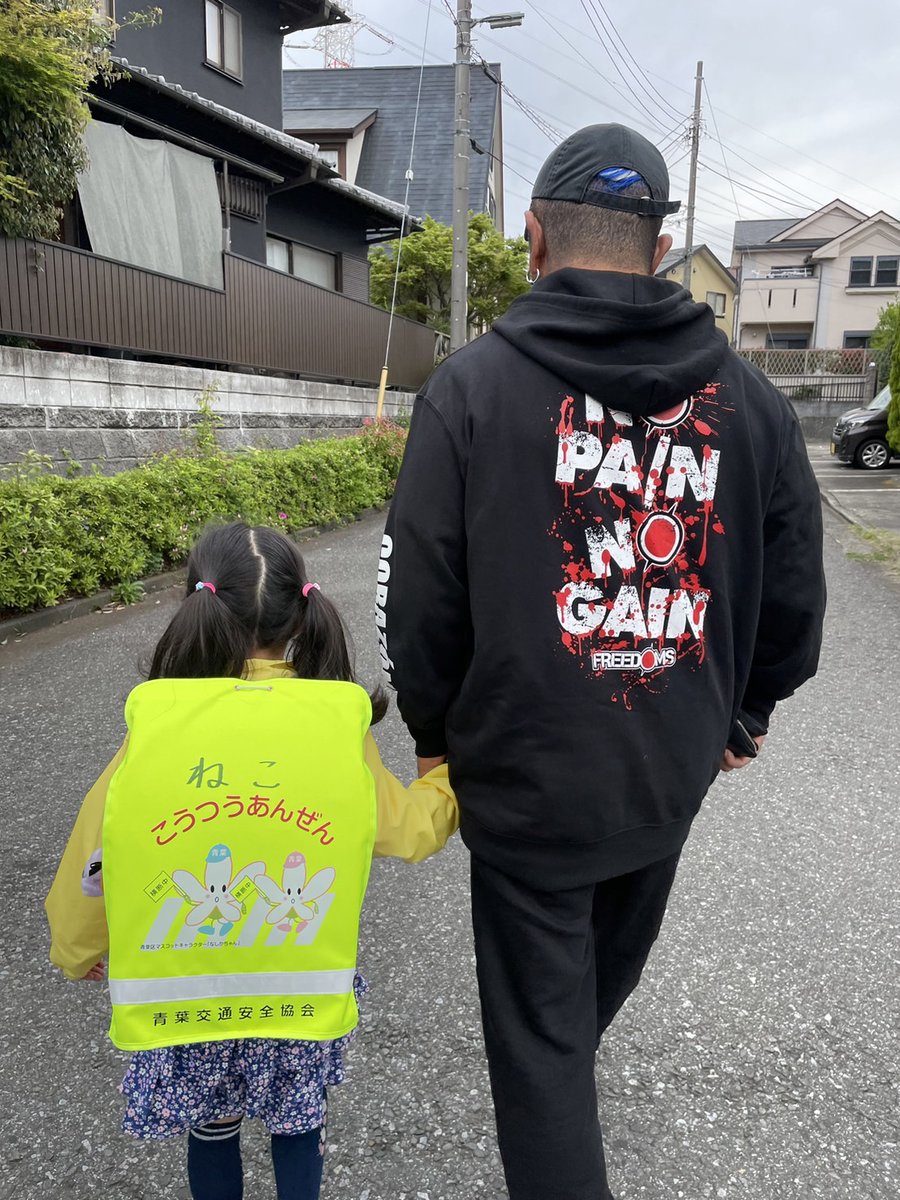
[758, 1060]
[867, 498]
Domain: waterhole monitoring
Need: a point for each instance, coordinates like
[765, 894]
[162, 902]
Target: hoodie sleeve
[789, 634]
[423, 603]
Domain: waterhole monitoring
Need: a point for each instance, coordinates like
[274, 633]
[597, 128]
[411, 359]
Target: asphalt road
[869, 498]
[758, 1059]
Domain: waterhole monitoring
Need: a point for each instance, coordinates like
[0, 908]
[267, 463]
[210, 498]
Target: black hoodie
[604, 551]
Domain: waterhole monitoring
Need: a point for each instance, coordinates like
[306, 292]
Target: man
[602, 567]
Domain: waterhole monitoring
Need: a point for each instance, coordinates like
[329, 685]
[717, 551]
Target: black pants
[554, 968]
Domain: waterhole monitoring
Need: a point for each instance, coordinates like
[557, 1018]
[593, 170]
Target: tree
[497, 267]
[885, 333]
[893, 433]
[50, 52]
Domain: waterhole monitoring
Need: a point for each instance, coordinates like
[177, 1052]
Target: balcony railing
[786, 273]
[261, 320]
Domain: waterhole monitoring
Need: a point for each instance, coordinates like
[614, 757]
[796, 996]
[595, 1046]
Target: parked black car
[860, 435]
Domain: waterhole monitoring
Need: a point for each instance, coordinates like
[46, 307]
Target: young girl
[232, 974]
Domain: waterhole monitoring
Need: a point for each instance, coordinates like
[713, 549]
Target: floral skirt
[283, 1083]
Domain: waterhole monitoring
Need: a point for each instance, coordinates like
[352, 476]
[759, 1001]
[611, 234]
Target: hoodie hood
[643, 340]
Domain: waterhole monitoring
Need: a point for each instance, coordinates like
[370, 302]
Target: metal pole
[226, 208]
[459, 277]
[692, 187]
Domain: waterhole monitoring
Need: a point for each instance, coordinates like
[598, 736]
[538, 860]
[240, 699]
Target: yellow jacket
[413, 823]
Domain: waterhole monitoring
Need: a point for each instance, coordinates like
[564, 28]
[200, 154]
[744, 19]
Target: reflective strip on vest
[218, 987]
[237, 842]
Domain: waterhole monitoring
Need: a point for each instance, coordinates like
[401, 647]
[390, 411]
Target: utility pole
[462, 140]
[459, 322]
[692, 186]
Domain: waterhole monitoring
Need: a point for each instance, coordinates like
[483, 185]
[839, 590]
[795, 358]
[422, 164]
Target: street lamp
[459, 323]
[501, 20]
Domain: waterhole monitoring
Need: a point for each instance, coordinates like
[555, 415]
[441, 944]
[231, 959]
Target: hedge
[65, 537]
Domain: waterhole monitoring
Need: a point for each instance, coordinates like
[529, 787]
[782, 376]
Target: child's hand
[95, 974]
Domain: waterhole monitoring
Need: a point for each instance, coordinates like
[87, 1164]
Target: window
[315, 266]
[857, 339]
[278, 254]
[331, 155]
[106, 10]
[886, 271]
[860, 272]
[223, 38]
[716, 301]
[305, 262]
[787, 341]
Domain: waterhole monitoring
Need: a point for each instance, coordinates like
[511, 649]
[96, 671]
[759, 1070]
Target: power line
[763, 193]
[608, 52]
[593, 66]
[646, 82]
[787, 146]
[532, 114]
[548, 123]
[731, 145]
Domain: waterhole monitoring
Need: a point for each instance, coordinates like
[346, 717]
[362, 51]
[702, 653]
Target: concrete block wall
[118, 413]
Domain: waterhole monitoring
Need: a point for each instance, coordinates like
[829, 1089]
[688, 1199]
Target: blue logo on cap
[617, 179]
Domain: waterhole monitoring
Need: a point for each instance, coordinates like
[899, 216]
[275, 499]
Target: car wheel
[873, 454]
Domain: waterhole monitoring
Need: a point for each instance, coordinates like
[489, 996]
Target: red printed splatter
[566, 409]
[707, 510]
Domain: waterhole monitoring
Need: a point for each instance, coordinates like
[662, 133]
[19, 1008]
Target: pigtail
[321, 648]
[212, 634]
[203, 640]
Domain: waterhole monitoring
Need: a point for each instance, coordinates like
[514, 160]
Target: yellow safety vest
[237, 843]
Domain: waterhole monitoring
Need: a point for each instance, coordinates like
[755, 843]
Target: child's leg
[214, 1161]
[298, 1160]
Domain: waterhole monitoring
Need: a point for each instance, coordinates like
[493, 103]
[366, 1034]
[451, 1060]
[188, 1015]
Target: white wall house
[818, 282]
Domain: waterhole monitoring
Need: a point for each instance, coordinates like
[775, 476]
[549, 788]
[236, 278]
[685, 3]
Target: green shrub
[893, 431]
[62, 537]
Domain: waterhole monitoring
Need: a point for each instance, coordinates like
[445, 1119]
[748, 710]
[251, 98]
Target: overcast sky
[804, 95]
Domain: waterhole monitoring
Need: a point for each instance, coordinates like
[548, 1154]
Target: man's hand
[94, 975]
[734, 762]
[425, 765]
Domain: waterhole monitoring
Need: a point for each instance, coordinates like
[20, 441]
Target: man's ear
[534, 235]
[663, 246]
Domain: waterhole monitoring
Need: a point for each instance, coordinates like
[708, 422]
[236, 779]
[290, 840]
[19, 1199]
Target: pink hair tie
[198, 587]
[309, 587]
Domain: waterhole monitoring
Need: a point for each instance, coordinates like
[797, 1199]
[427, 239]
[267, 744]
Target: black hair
[588, 232]
[258, 603]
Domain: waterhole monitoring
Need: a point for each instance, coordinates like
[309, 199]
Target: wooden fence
[260, 320]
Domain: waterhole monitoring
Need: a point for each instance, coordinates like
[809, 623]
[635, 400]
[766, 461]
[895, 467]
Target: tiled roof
[385, 155]
[323, 119]
[676, 257]
[672, 259]
[756, 233]
[309, 152]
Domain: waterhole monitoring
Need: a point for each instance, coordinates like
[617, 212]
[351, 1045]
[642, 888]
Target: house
[201, 232]
[711, 282]
[363, 120]
[818, 282]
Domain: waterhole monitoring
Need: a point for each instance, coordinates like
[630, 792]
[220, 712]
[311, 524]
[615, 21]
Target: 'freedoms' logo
[645, 661]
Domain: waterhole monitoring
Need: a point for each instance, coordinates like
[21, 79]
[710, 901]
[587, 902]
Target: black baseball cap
[596, 164]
